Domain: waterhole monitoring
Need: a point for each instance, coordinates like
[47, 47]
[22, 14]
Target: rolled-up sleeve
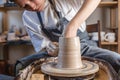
[38, 39]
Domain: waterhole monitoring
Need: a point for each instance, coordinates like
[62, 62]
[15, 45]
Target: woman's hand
[52, 49]
[84, 12]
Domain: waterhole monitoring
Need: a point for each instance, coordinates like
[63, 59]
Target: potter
[73, 16]
[69, 56]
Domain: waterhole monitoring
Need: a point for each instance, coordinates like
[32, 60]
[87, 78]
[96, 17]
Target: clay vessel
[69, 53]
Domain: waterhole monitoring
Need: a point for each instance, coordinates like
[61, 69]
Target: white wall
[14, 18]
[102, 14]
[96, 15]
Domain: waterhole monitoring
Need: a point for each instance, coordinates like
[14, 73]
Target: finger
[49, 49]
[52, 46]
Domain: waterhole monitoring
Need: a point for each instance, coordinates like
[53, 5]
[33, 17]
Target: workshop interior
[103, 27]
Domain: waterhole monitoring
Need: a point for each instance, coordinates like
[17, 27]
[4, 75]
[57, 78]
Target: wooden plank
[108, 3]
[38, 76]
[109, 43]
[5, 22]
[10, 8]
[118, 26]
[112, 17]
[3, 66]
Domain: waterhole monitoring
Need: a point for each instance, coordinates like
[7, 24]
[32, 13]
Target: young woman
[62, 18]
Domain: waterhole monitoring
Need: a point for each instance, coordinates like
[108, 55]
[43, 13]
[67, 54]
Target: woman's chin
[41, 9]
[38, 9]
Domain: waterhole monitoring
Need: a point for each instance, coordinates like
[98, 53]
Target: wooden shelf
[112, 28]
[109, 43]
[10, 8]
[108, 3]
[17, 42]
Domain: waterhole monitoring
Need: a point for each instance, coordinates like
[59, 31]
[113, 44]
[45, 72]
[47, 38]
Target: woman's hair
[11, 0]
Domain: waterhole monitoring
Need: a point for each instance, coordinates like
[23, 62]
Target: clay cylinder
[69, 53]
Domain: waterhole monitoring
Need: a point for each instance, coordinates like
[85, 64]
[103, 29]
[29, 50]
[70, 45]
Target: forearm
[85, 11]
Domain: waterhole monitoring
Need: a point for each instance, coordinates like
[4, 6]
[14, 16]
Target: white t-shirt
[68, 9]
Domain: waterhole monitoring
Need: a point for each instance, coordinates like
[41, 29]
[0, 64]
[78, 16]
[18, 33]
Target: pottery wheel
[88, 68]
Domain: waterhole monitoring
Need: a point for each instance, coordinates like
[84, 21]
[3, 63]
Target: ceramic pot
[69, 53]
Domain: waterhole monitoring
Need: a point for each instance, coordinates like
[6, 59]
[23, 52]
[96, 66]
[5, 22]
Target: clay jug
[69, 53]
